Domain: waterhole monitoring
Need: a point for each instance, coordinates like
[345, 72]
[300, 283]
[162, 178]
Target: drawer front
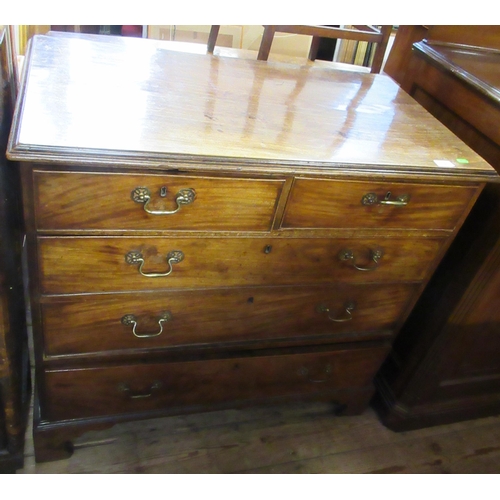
[72, 200]
[153, 320]
[342, 204]
[138, 388]
[88, 264]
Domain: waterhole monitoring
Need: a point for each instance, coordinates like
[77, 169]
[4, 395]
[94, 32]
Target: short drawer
[146, 387]
[342, 204]
[99, 323]
[74, 200]
[95, 264]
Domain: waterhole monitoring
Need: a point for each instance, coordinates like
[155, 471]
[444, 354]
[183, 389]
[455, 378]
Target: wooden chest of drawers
[208, 232]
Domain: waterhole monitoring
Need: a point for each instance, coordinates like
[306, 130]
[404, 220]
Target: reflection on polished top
[134, 100]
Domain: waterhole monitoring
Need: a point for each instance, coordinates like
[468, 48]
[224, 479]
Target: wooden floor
[298, 439]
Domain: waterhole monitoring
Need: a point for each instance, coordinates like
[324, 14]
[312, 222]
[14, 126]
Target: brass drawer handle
[372, 199]
[173, 257]
[123, 387]
[131, 320]
[183, 197]
[304, 372]
[348, 255]
[349, 307]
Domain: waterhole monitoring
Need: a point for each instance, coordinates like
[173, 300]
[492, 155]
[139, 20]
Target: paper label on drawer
[444, 163]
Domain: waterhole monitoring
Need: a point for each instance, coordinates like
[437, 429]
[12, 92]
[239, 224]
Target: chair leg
[265, 44]
[380, 50]
[313, 51]
[212, 38]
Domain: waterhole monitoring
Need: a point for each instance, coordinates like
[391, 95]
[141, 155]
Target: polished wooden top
[482, 35]
[479, 67]
[128, 101]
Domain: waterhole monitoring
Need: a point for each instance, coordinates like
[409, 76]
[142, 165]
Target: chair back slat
[378, 35]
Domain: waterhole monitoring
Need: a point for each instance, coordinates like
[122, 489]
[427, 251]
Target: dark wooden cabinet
[446, 361]
[14, 363]
[234, 233]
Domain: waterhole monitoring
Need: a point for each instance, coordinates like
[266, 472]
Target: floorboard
[291, 439]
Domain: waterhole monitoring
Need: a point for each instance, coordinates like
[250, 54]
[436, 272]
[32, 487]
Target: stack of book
[354, 52]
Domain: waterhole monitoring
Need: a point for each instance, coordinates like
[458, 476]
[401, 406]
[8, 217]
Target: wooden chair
[372, 34]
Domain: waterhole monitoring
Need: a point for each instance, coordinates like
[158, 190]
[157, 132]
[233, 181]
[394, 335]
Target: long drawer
[98, 264]
[150, 320]
[341, 204]
[135, 388]
[73, 200]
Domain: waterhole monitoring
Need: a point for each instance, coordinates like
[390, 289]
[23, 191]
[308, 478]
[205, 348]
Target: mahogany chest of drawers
[211, 232]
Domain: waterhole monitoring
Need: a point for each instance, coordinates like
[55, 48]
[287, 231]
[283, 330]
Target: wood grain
[200, 383]
[91, 324]
[338, 204]
[88, 264]
[220, 109]
[301, 438]
[91, 200]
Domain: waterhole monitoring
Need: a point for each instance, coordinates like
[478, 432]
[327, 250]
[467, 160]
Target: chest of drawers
[208, 233]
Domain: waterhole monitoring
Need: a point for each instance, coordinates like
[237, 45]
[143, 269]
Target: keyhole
[268, 248]
[388, 195]
[163, 191]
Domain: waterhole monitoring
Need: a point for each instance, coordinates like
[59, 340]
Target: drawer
[98, 323]
[92, 264]
[72, 200]
[145, 387]
[343, 204]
